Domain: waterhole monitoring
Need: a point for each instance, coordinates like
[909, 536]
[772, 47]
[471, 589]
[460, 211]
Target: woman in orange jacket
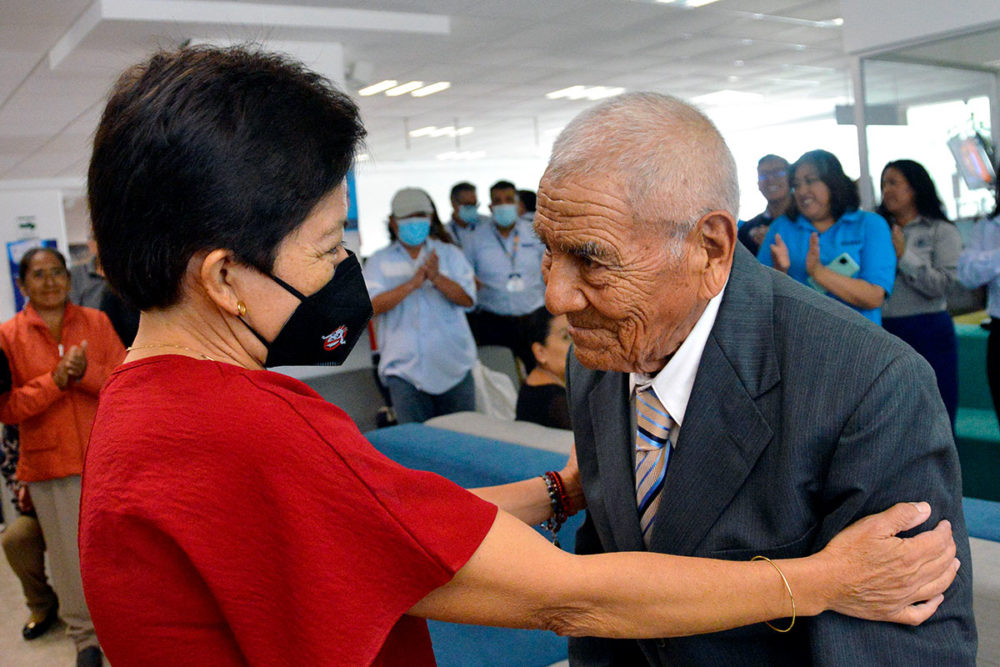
[60, 355]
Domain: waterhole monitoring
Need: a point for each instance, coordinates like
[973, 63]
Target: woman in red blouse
[250, 520]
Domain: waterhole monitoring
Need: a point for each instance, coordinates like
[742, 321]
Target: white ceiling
[501, 56]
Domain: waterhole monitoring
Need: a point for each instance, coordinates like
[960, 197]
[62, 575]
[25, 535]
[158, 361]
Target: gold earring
[241, 308]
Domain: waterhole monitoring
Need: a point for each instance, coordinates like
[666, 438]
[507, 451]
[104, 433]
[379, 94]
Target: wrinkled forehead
[584, 209]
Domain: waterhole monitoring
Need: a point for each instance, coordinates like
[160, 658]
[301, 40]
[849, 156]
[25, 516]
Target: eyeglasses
[765, 175]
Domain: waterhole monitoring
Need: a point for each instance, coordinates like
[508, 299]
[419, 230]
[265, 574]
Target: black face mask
[325, 326]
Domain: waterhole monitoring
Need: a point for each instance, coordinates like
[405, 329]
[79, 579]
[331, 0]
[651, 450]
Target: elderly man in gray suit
[720, 409]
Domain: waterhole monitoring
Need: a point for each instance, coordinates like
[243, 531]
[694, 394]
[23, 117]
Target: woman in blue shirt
[831, 245]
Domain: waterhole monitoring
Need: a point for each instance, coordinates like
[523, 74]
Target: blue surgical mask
[505, 215]
[413, 231]
[469, 213]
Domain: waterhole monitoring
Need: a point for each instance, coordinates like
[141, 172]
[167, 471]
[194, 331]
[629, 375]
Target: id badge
[515, 283]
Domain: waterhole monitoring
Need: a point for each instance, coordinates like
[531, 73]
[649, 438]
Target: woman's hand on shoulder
[880, 577]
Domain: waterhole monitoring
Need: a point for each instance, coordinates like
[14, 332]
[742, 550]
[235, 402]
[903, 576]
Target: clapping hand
[76, 364]
[419, 277]
[812, 257]
[779, 254]
[898, 240]
[71, 366]
[431, 265]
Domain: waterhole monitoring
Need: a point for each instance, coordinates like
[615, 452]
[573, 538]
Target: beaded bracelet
[562, 505]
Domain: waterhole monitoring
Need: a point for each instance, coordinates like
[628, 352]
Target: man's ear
[717, 231]
[213, 273]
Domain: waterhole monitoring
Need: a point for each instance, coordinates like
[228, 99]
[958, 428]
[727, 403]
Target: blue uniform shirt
[460, 234]
[425, 339]
[862, 235]
[510, 269]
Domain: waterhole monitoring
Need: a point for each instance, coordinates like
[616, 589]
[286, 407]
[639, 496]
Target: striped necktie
[652, 452]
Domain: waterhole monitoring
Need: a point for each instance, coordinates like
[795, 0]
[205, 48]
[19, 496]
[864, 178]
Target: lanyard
[511, 255]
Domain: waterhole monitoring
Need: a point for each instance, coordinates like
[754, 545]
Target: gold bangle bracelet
[787, 588]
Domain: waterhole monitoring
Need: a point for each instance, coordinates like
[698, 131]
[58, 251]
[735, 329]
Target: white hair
[670, 159]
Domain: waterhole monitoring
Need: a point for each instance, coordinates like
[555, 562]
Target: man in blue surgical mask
[507, 259]
[420, 286]
[465, 215]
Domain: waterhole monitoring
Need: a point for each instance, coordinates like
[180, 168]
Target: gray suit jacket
[803, 418]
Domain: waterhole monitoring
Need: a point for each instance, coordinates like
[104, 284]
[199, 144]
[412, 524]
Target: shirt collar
[674, 382]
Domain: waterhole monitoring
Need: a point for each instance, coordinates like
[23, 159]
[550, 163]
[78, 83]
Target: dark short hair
[459, 188]
[771, 157]
[538, 326]
[925, 196]
[22, 267]
[843, 191]
[502, 185]
[528, 198]
[205, 148]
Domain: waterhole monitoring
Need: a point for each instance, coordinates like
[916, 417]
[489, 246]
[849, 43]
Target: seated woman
[420, 286]
[927, 247]
[831, 245]
[232, 514]
[542, 398]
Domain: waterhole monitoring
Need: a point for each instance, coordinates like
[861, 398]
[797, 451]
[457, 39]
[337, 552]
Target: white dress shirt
[674, 382]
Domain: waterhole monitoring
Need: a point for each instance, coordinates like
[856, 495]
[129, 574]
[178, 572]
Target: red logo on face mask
[334, 339]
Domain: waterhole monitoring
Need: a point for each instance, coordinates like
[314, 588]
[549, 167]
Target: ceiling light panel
[408, 87]
[585, 92]
[431, 89]
[379, 87]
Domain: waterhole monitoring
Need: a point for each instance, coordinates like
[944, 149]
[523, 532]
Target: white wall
[46, 207]
[875, 26]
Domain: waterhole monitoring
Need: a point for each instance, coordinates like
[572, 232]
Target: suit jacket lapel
[609, 406]
[723, 431]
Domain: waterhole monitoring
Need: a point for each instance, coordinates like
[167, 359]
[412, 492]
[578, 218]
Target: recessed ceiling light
[423, 131]
[573, 93]
[431, 89]
[585, 92]
[377, 88]
[405, 88]
[447, 131]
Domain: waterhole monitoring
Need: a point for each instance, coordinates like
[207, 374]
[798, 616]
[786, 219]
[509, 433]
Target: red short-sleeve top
[234, 517]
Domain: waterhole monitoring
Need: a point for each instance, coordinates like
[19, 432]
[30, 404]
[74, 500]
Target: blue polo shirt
[425, 339]
[496, 260]
[862, 235]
